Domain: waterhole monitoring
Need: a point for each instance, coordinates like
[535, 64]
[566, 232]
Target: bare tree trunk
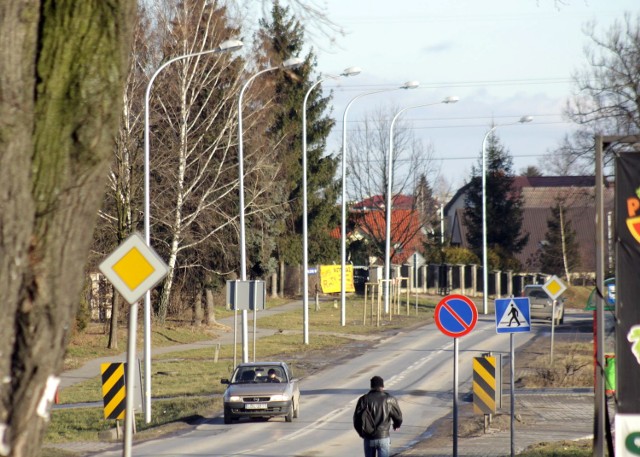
[163, 305]
[565, 262]
[116, 301]
[61, 86]
[282, 278]
[196, 319]
[274, 285]
[209, 310]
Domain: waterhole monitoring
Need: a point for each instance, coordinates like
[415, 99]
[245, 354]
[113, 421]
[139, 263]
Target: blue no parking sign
[456, 315]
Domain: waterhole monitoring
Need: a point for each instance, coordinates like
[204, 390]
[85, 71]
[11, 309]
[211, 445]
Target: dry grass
[92, 343]
[572, 365]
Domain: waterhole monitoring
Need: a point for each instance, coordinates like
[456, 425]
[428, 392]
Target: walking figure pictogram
[513, 312]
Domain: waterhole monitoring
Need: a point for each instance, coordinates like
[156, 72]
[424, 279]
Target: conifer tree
[281, 38]
[504, 207]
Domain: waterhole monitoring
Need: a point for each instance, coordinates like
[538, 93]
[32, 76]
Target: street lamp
[287, 64]
[351, 71]
[387, 249]
[485, 267]
[343, 234]
[225, 46]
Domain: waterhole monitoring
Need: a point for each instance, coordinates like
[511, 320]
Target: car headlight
[283, 397]
[233, 398]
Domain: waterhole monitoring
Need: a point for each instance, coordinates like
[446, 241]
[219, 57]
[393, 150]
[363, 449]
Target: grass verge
[186, 382]
[582, 448]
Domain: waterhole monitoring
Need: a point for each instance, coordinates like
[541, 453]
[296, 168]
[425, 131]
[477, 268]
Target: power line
[435, 127]
[431, 159]
[443, 84]
[465, 118]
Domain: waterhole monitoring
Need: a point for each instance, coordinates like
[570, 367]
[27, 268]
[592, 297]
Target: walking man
[375, 412]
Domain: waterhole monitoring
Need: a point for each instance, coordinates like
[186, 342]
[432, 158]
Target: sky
[503, 58]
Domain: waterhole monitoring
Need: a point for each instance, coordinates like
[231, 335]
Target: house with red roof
[367, 221]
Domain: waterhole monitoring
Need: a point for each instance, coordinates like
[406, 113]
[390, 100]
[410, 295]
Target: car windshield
[259, 374]
[537, 293]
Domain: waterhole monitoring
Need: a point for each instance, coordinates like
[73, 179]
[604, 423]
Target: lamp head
[230, 45]
[410, 85]
[451, 99]
[351, 71]
[525, 119]
[293, 62]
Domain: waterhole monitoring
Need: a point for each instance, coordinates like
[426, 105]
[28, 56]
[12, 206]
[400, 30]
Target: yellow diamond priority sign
[133, 268]
[554, 287]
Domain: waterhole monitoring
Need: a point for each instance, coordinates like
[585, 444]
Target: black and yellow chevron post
[484, 385]
[114, 393]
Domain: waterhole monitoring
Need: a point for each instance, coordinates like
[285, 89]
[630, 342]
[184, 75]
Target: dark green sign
[609, 296]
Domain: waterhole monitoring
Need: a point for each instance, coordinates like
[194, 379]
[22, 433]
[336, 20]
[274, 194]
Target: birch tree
[121, 211]
[193, 140]
[559, 253]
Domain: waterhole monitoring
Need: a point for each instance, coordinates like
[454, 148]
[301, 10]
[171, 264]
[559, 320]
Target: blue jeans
[382, 446]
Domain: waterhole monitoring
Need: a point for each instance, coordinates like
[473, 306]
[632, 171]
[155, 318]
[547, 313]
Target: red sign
[456, 315]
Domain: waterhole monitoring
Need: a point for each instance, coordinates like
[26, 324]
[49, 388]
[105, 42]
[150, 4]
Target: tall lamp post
[351, 71]
[225, 46]
[389, 203]
[343, 234]
[287, 64]
[485, 266]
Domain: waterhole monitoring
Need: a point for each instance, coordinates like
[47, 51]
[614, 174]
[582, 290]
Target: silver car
[541, 304]
[261, 389]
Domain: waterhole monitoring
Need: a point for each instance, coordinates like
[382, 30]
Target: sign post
[513, 316]
[133, 268]
[554, 287]
[455, 316]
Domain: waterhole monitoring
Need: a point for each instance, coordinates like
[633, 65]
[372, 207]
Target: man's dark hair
[377, 382]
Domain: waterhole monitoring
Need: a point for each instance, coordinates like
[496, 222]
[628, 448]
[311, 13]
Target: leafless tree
[194, 131]
[564, 162]
[121, 210]
[367, 180]
[606, 99]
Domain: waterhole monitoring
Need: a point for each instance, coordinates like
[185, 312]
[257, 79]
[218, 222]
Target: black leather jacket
[384, 409]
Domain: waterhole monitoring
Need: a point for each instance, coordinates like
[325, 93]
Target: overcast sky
[503, 58]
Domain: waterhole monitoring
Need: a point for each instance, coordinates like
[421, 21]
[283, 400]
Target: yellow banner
[331, 278]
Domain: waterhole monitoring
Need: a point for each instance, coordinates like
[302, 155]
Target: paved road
[544, 415]
[417, 367]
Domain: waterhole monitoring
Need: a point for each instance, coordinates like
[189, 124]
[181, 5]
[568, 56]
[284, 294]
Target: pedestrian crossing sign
[512, 315]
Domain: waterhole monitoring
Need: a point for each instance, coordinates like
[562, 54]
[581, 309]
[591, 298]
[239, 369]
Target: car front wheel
[296, 410]
[289, 416]
[227, 415]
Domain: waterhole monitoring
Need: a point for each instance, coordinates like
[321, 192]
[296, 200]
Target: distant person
[374, 414]
[513, 312]
[271, 376]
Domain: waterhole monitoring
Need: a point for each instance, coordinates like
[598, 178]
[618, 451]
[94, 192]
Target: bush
[457, 255]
